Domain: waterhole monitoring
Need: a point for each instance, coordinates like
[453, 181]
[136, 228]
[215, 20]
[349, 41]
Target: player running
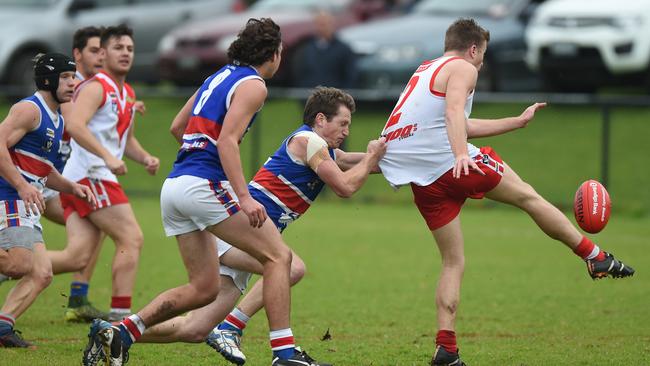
[427, 136]
[101, 126]
[30, 138]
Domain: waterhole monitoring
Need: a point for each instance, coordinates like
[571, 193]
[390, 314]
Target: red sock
[121, 302]
[447, 340]
[586, 249]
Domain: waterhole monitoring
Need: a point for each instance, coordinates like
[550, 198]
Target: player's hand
[84, 192]
[151, 164]
[33, 199]
[529, 113]
[117, 166]
[254, 210]
[463, 164]
[140, 107]
[377, 148]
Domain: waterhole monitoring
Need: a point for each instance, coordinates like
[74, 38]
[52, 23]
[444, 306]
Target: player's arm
[343, 183]
[247, 99]
[22, 118]
[182, 118]
[59, 183]
[85, 106]
[347, 160]
[134, 151]
[461, 81]
[493, 127]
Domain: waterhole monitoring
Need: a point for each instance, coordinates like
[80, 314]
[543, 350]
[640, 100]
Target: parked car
[28, 27]
[192, 52]
[578, 45]
[390, 50]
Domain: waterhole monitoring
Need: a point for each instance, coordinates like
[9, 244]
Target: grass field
[371, 276]
[372, 265]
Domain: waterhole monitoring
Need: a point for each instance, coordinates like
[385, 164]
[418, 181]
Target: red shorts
[107, 193]
[440, 201]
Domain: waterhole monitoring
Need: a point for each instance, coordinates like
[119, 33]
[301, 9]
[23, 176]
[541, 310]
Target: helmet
[47, 69]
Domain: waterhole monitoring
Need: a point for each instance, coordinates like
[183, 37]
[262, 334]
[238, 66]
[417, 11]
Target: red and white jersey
[418, 149]
[110, 125]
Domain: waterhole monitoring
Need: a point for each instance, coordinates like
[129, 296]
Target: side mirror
[80, 5]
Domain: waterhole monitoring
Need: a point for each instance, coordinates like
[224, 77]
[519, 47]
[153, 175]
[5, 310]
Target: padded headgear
[47, 69]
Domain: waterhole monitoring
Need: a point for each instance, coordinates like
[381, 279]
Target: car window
[27, 2]
[333, 5]
[469, 7]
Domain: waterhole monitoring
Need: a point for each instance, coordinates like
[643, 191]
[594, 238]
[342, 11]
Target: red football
[592, 206]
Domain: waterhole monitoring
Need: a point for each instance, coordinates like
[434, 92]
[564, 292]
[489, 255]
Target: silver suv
[28, 27]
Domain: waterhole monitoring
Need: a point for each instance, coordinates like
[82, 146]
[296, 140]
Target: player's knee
[298, 270]
[42, 278]
[205, 292]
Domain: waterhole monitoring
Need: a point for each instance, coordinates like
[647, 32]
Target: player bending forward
[286, 185]
[427, 149]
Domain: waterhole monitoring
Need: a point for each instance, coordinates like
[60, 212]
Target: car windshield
[27, 3]
[495, 8]
[332, 5]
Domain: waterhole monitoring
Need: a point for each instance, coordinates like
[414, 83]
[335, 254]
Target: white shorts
[240, 278]
[49, 193]
[13, 213]
[191, 203]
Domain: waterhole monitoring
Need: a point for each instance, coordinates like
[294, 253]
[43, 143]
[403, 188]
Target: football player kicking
[30, 137]
[427, 136]
[286, 185]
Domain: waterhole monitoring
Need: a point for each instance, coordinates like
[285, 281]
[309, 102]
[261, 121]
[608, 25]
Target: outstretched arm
[493, 127]
[343, 183]
[347, 160]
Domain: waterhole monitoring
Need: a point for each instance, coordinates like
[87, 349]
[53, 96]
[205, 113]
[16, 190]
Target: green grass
[372, 270]
[372, 265]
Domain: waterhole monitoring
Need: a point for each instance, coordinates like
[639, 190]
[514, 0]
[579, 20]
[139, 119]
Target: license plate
[564, 49]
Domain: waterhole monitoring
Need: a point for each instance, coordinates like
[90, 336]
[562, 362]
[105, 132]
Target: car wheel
[21, 75]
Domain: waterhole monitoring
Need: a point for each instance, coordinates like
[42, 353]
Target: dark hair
[326, 101]
[115, 32]
[256, 43]
[464, 33]
[82, 35]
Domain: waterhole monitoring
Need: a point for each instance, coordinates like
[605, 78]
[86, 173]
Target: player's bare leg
[82, 236]
[79, 307]
[202, 264]
[26, 290]
[197, 324]
[120, 224]
[514, 191]
[266, 245]
[449, 239]
[16, 262]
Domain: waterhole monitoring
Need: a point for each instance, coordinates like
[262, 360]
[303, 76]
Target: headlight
[224, 43]
[628, 22]
[167, 43]
[398, 53]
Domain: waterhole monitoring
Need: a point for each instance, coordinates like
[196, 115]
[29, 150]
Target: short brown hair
[82, 35]
[256, 43]
[115, 32]
[326, 101]
[464, 33]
